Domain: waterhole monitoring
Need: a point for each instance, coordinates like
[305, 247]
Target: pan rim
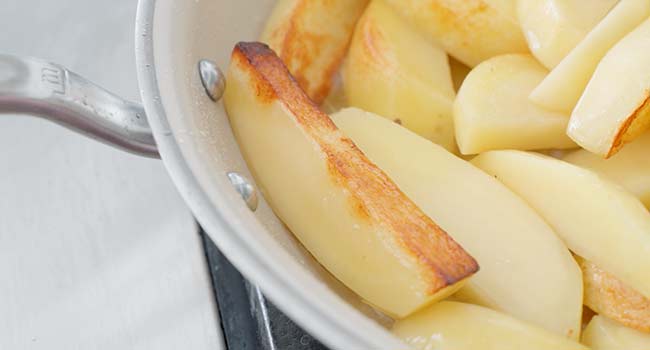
[295, 302]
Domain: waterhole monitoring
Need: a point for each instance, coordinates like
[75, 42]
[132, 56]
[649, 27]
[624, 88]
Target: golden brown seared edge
[608, 296]
[635, 124]
[312, 53]
[373, 194]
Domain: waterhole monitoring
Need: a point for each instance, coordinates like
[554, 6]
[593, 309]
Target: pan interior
[182, 33]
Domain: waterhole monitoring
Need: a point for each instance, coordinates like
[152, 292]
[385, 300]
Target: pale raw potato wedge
[554, 27]
[512, 243]
[346, 211]
[451, 325]
[597, 219]
[608, 296]
[492, 109]
[562, 88]
[629, 168]
[470, 30]
[459, 72]
[605, 334]
[393, 71]
[615, 107]
[311, 37]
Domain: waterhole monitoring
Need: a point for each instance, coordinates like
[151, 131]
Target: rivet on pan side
[212, 79]
[245, 189]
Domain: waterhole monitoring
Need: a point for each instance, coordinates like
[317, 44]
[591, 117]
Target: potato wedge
[513, 249]
[459, 326]
[311, 37]
[596, 218]
[336, 99]
[346, 211]
[492, 110]
[629, 168]
[470, 30]
[615, 107]
[604, 334]
[608, 296]
[392, 70]
[562, 88]
[554, 27]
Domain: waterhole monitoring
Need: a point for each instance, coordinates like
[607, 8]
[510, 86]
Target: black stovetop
[249, 321]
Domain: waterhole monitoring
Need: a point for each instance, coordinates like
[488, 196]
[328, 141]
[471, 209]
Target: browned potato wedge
[615, 107]
[345, 210]
[393, 71]
[608, 296]
[311, 37]
[469, 30]
[520, 243]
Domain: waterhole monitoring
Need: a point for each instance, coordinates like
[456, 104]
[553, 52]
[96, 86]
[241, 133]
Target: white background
[97, 250]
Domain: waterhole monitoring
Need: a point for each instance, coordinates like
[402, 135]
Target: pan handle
[34, 87]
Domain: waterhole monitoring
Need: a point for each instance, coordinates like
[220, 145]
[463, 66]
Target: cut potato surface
[615, 107]
[470, 30]
[608, 296]
[604, 334]
[346, 211]
[554, 27]
[596, 218]
[492, 110]
[457, 326]
[630, 167]
[526, 271]
[562, 88]
[311, 37]
[393, 71]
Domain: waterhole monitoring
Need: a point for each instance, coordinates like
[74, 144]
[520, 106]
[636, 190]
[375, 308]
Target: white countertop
[97, 250]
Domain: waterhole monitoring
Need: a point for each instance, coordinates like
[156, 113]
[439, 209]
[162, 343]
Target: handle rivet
[244, 188]
[212, 79]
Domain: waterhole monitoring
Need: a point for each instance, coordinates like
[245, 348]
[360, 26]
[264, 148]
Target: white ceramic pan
[190, 132]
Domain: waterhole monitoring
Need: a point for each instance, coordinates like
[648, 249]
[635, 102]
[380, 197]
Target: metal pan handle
[34, 87]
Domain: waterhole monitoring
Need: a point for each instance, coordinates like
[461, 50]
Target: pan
[180, 46]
